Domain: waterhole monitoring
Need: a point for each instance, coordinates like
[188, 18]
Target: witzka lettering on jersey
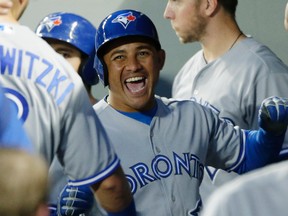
[21, 63]
[162, 167]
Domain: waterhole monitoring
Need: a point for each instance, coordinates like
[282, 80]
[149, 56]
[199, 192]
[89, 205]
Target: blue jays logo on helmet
[124, 19]
[51, 22]
[133, 23]
[76, 31]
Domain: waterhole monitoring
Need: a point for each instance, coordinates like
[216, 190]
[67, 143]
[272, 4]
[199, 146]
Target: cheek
[75, 62]
[114, 76]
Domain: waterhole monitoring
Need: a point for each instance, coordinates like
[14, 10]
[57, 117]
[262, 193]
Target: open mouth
[136, 84]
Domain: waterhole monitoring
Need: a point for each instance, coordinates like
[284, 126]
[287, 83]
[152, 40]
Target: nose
[133, 64]
[167, 12]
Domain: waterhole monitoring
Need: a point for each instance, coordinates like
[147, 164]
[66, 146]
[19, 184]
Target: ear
[211, 7]
[161, 58]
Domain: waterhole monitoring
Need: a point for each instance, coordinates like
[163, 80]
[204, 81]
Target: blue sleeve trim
[241, 155]
[100, 176]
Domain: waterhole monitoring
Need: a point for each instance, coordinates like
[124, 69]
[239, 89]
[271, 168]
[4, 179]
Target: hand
[273, 115]
[5, 6]
[75, 200]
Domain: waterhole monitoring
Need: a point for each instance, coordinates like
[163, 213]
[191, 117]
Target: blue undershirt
[144, 116]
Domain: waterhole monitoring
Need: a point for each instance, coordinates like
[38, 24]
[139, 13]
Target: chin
[187, 40]
[183, 40]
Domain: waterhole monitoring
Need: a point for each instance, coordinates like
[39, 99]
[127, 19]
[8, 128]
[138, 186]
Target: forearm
[114, 193]
[262, 148]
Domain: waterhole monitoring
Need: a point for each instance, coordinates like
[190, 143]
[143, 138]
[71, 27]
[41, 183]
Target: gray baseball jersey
[164, 160]
[52, 102]
[261, 192]
[235, 84]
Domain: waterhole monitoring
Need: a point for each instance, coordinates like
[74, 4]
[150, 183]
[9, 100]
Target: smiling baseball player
[163, 143]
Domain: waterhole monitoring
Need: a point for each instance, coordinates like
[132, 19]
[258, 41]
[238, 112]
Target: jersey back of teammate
[52, 101]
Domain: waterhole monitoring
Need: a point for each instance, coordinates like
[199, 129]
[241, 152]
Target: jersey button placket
[157, 150]
[195, 92]
[196, 81]
[173, 198]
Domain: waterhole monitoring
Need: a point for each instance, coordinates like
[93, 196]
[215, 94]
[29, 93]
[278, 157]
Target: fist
[75, 200]
[273, 115]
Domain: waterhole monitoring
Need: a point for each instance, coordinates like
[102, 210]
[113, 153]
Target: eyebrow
[64, 49]
[119, 51]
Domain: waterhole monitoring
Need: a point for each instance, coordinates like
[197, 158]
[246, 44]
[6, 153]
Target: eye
[118, 57]
[143, 53]
[66, 55]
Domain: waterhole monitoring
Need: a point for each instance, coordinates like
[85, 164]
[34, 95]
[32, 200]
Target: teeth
[134, 79]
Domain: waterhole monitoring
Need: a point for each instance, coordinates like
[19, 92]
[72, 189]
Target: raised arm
[263, 146]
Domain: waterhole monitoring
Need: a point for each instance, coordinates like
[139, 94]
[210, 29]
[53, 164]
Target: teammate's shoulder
[259, 50]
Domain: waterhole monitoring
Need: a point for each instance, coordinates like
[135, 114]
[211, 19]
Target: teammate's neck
[209, 57]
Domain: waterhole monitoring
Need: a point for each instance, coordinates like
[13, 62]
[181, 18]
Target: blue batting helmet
[75, 30]
[120, 24]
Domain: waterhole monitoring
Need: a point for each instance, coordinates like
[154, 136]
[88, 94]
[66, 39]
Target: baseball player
[64, 32]
[261, 192]
[12, 133]
[57, 114]
[163, 143]
[232, 72]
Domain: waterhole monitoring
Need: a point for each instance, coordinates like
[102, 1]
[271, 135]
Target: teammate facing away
[232, 72]
[65, 33]
[57, 114]
[163, 143]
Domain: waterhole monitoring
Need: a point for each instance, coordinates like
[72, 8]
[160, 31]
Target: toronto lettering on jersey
[50, 78]
[162, 167]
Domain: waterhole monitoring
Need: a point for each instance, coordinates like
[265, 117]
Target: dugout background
[263, 19]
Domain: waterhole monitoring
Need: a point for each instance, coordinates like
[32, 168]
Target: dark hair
[229, 5]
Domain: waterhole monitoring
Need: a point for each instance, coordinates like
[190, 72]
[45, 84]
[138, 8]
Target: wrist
[128, 211]
[267, 137]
